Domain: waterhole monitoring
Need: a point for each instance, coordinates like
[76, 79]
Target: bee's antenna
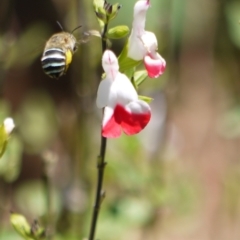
[76, 29]
[59, 24]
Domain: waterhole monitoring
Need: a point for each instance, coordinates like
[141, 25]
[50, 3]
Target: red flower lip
[154, 66]
[122, 120]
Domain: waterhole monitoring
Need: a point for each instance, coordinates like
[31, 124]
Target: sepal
[140, 76]
[126, 63]
[145, 99]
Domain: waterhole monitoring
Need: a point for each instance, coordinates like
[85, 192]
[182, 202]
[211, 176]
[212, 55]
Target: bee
[58, 53]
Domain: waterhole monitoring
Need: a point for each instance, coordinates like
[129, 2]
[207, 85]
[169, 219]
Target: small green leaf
[125, 62]
[129, 73]
[232, 16]
[140, 76]
[118, 32]
[145, 99]
[21, 225]
[3, 140]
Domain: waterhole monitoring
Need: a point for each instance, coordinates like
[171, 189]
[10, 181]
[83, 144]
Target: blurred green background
[177, 180]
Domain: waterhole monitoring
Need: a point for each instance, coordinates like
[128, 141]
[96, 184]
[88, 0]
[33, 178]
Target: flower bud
[8, 125]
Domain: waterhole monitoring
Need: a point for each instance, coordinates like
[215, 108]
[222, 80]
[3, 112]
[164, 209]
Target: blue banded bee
[58, 52]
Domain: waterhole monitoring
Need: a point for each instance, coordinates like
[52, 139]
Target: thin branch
[48, 193]
[100, 166]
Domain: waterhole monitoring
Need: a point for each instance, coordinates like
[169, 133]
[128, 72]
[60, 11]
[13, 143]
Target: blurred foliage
[229, 126]
[233, 20]
[37, 121]
[31, 199]
[10, 164]
[20, 224]
[22, 50]
[160, 194]
[3, 140]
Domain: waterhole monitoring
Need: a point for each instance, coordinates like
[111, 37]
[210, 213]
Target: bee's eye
[75, 48]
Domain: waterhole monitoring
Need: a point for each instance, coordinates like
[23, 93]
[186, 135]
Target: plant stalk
[100, 194]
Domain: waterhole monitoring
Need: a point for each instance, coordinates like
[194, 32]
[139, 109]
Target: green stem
[104, 40]
[100, 165]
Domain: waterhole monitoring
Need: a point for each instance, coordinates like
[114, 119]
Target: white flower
[122, 108]
[143, 45]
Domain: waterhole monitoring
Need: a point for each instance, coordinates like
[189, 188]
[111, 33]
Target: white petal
[149, 40]
[108, 112]
[138, 106]
[103, 93]
[110, 64]
[8, 125]
[139, 46]
[125, 90]
[136, 49]
[139, 13]
[120, 91]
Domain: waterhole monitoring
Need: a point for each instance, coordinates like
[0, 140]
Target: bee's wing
[22, 51]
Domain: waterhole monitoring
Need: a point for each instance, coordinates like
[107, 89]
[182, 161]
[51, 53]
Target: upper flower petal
[120, 90]
[110, 64]
[136, 49]
[140, 7]
[139, 14]
[125, 90]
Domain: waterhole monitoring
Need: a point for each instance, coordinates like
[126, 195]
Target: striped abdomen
[54, 62]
